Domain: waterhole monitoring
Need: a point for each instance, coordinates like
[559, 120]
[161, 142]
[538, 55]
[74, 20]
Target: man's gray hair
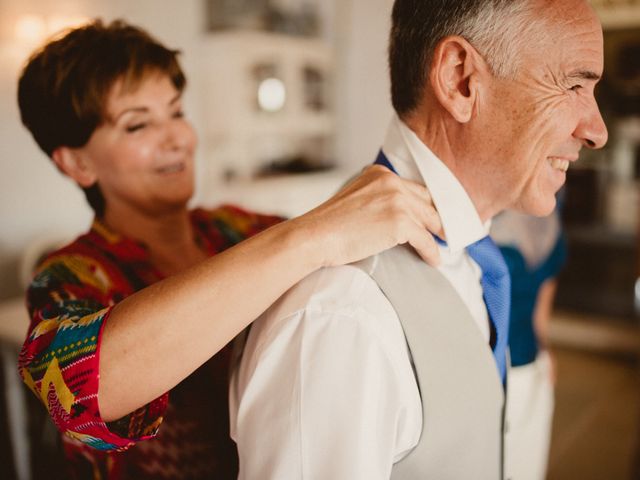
[498, 29]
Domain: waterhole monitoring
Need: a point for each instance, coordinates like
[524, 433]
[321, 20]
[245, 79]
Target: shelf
[230, 59]
[286, 195]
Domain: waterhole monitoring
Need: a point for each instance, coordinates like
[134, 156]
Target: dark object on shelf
[262, 15]
[231, 14]
[303, 22]
[619, 90]
[315, 89]
[582, 202]
[299, 164]
[600, 273]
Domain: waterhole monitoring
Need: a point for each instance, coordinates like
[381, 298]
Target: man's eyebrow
[585, 75]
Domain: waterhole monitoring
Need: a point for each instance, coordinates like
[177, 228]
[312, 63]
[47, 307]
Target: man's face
[539, 120]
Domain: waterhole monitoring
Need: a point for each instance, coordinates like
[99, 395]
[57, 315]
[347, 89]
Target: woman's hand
[376, 211]
[219, 297]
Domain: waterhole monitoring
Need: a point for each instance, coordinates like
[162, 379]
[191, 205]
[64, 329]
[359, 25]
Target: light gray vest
[462, 395]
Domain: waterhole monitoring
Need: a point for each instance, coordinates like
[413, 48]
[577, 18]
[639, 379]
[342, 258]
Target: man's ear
[455, 72]
[74, 164]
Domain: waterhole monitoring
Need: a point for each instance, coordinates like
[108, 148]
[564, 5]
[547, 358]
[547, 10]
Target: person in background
[535, 251]
[129, 322]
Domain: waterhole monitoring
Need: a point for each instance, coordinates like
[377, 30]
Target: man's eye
[575, 88]
[178, 114]
[135, 127]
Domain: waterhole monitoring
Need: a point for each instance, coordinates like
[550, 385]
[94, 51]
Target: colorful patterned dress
[69, 301]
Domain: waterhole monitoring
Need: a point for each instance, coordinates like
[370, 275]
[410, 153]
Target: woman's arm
[542, 319]
[158, 336]
[543, 310]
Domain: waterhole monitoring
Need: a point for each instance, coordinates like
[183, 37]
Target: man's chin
[538, 207]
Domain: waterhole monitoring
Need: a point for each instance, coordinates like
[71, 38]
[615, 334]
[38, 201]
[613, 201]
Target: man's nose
[592, 130]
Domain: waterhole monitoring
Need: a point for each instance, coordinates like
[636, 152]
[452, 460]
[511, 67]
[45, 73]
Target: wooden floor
[597, 417]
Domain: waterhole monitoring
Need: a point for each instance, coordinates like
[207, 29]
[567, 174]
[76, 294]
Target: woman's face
[142, 155]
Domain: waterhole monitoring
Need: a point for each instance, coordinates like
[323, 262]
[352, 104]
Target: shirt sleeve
[325, 394]
[69, 301]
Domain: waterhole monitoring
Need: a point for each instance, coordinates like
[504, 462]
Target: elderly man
[390, 368]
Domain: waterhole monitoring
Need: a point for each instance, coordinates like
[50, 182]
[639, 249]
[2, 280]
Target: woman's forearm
[158, 336]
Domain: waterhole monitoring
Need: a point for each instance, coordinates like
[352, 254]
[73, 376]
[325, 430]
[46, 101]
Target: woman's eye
[135, 127]
[178, 114]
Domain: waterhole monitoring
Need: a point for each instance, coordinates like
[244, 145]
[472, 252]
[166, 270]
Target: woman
[104, 102]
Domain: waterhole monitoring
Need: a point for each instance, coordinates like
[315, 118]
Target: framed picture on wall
[228, 14]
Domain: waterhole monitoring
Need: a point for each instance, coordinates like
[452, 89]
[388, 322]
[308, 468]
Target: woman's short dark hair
[63, 88]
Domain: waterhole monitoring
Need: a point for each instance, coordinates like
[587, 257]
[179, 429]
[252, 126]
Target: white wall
[36, 199]
[364, 105]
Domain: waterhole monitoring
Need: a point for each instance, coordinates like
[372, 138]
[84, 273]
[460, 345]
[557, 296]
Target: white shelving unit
[238, 136]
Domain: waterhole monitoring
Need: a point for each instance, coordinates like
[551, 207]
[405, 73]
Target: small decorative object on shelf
[231, 14]
[271, 93]
[315, 94]
[291, 17]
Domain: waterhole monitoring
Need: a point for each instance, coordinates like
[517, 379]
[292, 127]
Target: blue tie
[496, 286]
[382, 159]
[496, 290]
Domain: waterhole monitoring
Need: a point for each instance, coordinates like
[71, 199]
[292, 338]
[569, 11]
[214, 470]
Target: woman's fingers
[423, 208]
[375, 211]
[426, 247]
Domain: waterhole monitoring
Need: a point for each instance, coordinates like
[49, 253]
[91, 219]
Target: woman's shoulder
[232, 218]
[85, 264]
[64, 254]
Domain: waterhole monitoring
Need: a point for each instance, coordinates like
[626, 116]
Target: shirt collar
[413, 160]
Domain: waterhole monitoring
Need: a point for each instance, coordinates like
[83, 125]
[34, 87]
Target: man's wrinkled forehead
[569, 14]
[572, 31]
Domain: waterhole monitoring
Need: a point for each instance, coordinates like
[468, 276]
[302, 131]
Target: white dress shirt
[325, 389]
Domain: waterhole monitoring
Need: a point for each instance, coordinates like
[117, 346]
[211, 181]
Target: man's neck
[448, 143]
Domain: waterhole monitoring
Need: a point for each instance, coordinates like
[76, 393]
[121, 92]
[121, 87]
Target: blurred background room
[290, 98]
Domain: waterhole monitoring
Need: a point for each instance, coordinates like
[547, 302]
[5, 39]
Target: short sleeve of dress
[69, 301]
